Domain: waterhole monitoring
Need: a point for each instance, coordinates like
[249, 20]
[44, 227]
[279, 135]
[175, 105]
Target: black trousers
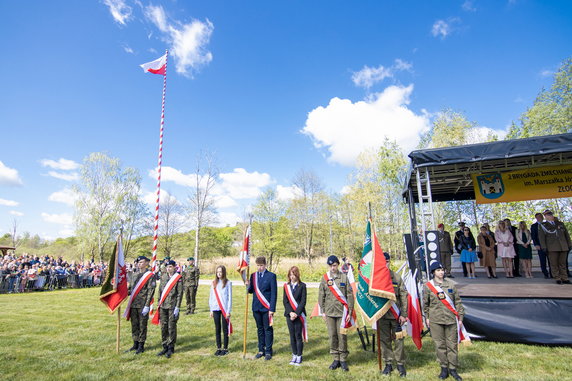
[265, 332]
[220, 322]
[296, 341]
[516, 265]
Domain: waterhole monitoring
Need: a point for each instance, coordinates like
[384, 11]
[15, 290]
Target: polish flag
[317, 311]
[159, 66]
[415, 327]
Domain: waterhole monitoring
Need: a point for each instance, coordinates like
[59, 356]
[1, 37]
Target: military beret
[440, 226]
[143, 258]
[171, 263]
[386, 255]
[333, 259]
[190, 259]
[167, 258]
[434, 266]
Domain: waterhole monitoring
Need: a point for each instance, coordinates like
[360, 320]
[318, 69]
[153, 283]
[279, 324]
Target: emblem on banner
[491, 185]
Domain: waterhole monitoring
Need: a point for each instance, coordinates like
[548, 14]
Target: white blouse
[225, 294]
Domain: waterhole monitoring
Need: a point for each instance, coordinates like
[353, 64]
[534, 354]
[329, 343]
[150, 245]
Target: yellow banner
[526, 184]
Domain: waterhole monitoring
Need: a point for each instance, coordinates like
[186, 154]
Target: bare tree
[201, 200]
[171, 217]
[14, 233]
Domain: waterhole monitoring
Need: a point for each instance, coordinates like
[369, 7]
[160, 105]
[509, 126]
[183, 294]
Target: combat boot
[335, 365]
[444, 373]
[455, 375]
[165, 349]
[170, 351]
[141, 348]
[134, 347]
[402, 371]
[344, 366]
[387, 370]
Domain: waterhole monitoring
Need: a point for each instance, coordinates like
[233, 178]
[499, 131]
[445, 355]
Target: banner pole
[245, 320]
[378, 338]
[118, 329]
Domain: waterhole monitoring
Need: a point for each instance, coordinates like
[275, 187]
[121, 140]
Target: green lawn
[70, 335]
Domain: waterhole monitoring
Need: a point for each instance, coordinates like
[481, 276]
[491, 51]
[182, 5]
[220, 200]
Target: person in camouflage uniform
[139, 314]
[191, 276]
[169, 311]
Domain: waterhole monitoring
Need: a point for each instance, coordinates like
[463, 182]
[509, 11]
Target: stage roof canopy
[450, 168]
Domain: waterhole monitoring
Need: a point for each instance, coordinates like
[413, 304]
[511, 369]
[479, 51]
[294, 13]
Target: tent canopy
[450, 168]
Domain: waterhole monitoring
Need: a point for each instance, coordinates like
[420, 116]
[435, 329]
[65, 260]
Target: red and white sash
[261, 298]
[463, 335]
[223, 309]
[345, 326]
[168, 287]
[294, 305]
[140, 284]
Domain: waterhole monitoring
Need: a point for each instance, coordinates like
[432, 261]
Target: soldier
[171, 293]
[445, 249]
[554, 238]
[444, 314]
[190, 284]
[141, 293]
[390, 327]
[336, 301]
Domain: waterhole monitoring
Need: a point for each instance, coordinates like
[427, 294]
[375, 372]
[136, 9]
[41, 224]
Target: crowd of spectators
[28, 273]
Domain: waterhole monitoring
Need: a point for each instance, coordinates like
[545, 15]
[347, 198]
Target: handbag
[480, 255]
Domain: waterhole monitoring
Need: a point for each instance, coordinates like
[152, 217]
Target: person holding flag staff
[220, 304]
[294, 301]
[171, 292]
[263, 285]
[191, 276]
[141, 295]
[444, 314]
[336, 301]
[391, 323]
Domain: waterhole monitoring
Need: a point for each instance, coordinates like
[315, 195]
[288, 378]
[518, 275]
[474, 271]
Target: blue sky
[269, 86]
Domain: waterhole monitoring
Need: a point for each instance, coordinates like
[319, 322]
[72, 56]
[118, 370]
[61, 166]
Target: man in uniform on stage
[331, 291]
[170, 298]
[390, 326]
[191, 283]
[263, 285]
[141, 293]
[445, 249]
[555, 239]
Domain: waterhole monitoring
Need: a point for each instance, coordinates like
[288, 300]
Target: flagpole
[377, 324]
[159, 162]
[118, 329]
[246, 297]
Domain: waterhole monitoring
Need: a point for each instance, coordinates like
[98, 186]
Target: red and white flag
[415, 326]
[244, 259]
[114, 288]
[159, 66]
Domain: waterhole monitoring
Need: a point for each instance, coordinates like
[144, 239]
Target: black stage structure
[524, 312]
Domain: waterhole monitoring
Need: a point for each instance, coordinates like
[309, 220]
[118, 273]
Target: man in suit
[541, 253]
[445, 249]
[264, 287]
[170, 298]
[516, 261]
[140, 302]
[554, 236]
[390, 327]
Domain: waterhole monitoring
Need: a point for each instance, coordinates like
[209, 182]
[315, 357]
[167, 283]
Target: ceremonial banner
[114, 288]
[523, 185]
[244, 258]
[374, 287]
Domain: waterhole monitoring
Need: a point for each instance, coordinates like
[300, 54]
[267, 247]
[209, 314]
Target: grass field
[69, 335]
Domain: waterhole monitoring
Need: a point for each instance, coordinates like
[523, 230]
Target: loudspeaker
[432, 241]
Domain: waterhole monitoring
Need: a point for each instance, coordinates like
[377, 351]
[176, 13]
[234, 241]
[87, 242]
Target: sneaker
[294, 359]
[217, 353]
[259, 355]
[298, 360]
[224, 352]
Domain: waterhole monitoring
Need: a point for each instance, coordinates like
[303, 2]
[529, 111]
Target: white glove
[145, 311]
[176, 312]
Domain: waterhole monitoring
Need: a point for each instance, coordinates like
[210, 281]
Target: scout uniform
[390, 329]
[138, 306]
[190, 285]
[169, 305]
[555, 239]
[443, 322]
[334, 311]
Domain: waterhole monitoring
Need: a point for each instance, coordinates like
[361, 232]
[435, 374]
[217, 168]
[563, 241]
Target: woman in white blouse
[220, 304]
[505, 241]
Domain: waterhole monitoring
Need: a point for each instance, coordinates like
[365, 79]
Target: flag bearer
[141, 294]
[444, 314]
[171, 295]
[391, 330]
[191, 283]
[336, 301]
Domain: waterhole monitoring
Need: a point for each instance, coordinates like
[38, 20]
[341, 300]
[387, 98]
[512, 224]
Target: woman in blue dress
[469, 251]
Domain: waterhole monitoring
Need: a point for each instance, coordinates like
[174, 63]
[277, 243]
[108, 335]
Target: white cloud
[346, 189]
[345, 128]
[73, 176]
[227, 218]
[150, 198]
[546, 73]
[61, 219]
[4, 202]
[188, 40]
[175, 175]
[469, 6]
[64, 233]
[62, 164]
[9, 176]
[225, 201]
[120, 11]
[128, 49]
[240, 184]
[442, 28]
[368, 76]
[16, 213]
[287, 193]
[65, 196]
[481, 134]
